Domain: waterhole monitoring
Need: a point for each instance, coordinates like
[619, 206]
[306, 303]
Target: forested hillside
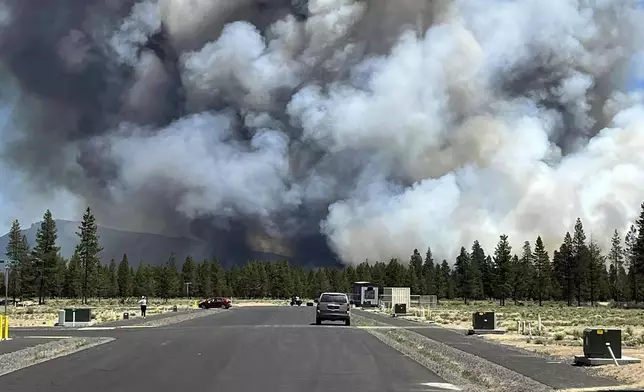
[577, 272]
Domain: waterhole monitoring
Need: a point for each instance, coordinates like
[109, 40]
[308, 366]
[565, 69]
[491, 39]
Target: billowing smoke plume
[376, 125]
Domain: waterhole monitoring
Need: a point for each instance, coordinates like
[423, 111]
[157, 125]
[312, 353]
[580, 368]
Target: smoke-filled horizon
[372, 125]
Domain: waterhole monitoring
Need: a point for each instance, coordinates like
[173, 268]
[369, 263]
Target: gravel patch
[180, 317]
[44, 352]
[469, 372]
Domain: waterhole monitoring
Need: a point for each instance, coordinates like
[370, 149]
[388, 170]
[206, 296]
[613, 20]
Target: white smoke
[448, 136]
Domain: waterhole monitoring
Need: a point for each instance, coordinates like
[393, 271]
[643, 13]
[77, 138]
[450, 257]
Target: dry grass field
[561, 332]
[33, 315]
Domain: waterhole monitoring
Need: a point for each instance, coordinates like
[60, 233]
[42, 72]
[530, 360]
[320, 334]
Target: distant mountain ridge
[150, 248]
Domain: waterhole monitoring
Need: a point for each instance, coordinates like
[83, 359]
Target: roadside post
[4, 320]
[5, 263]
[5, 328]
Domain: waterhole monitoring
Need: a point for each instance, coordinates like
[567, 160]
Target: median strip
[470, 372]
[30, 356]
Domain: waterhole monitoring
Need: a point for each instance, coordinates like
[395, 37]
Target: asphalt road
[269, 349]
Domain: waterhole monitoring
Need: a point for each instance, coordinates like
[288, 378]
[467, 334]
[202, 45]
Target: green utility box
[79, 315]
[596, 341]
[75, 317]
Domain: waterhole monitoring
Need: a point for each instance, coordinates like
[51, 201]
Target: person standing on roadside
[144, 305]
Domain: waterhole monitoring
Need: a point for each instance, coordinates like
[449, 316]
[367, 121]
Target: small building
[365, 294]
[397, 295]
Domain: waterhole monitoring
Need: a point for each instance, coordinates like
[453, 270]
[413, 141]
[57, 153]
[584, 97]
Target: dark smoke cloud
[378, 126]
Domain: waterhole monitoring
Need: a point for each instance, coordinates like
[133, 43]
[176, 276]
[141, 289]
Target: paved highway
[268, 349]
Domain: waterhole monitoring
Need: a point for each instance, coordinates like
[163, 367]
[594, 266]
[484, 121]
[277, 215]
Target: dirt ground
[46, 315]
[561, 332]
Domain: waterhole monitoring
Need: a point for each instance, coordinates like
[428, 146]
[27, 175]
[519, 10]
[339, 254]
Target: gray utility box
[75, 317]
[483, 320]
[596, 339]
[400, 309]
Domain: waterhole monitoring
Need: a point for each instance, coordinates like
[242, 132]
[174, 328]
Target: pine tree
[363, 272]
[526, 272]
[477, 266]
[282, 286]
[218, 279]
[321, 283]
[515, 278]
[543, 272]
[125, 281]
[88, 252]
[617, 283]
[596, 262]
[312, 291]
[638, 256]
[298, 278]
[168, 279]
[378, 274]
[416, 272]
[630, 241]
[74, 277]
[429, 274]
[581, 261]
[563, 264]
[503, 263]
[203, 284]
[603, 289]
[45, 256]
[350, 272]
[489, 277]
[461, 274]
[395, 273]
[188, 271]
[17, 252]
[57, 288]
[113, 290]
[446, 279]
[102, 282]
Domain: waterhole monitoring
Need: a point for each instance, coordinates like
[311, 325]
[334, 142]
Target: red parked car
[218, 302]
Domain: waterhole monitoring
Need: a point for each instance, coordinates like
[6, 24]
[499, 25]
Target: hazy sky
[17, 201]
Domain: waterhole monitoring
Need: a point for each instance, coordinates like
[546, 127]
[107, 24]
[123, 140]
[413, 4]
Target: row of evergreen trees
[577, 273]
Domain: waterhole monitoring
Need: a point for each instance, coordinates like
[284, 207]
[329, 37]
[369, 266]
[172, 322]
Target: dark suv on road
[333, 307]
[218, 302]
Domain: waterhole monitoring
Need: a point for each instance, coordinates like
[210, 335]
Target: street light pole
[188, 289]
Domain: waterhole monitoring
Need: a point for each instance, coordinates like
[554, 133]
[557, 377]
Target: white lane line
[441, 385]
[396, 327]
[135, 326]
[96, 328]
[46, 337]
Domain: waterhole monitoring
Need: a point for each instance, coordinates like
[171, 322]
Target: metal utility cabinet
[75, 317]
[483, 320]
[398, 295]
[596, 341]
